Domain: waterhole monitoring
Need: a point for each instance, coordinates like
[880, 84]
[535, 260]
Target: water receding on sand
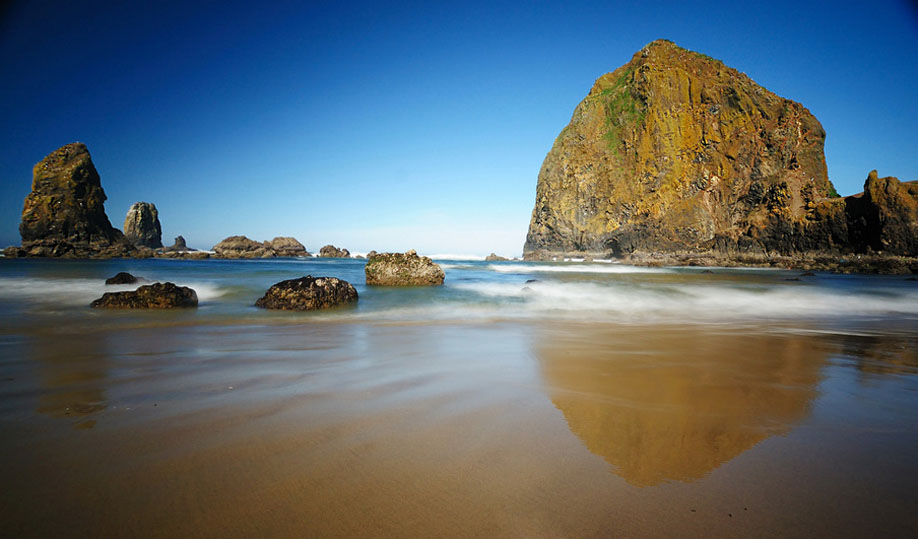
[624, 402]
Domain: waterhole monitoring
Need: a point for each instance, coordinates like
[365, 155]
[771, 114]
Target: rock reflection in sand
[664, 404]
[72, 372]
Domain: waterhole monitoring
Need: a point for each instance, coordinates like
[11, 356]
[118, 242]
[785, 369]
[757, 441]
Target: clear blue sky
[403, 125]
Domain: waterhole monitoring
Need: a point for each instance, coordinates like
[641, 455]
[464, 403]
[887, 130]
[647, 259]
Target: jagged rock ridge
[674, 151]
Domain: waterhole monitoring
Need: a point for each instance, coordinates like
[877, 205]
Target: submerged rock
[152, 296]
[122, 277]
[330, 251]
[308, 293]
[141, 225]
[286, 246]
[64, 214]
[408, 269]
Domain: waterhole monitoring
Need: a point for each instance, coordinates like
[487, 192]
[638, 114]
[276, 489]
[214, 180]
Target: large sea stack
[64, 215]
[676, 152]
[141, 225]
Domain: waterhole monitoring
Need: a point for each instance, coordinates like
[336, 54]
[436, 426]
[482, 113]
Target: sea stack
[64, 215]
[141, 226]
[675, 151]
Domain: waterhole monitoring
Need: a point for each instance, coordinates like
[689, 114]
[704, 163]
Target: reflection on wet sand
[673, 404]
[71, 372]
[874, 355]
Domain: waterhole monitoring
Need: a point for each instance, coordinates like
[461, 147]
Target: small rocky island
[402, 269]
[330, 251]
[243, 247]
[676, 156]
[141, 226]
[151, 296]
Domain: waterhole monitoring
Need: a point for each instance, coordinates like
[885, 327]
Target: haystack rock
[141, 225]
[286, 246]
[64, 215]
[330, 251]
[408, 269]
[675, 151]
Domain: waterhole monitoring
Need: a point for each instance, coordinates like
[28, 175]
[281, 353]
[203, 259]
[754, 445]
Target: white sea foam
[83, 291]
[453, 256]
[688, 303]
[575, 268]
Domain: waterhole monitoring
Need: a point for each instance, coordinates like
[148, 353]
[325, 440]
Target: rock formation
[397, 269]
[676, 152]
[122, 277]
[152, 296]
[495, 258]
[179, 245]
[330, 251]
[243, 247]
[286, 246]
[141, 226]
[64, 215]
[307, 294]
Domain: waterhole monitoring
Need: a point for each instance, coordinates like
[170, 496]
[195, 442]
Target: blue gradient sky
[407, 125]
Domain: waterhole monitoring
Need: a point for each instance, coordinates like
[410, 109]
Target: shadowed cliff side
[676, 152]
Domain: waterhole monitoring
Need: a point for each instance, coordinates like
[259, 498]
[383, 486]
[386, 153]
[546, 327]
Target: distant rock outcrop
[64, 215]
[242, 247]
[152, 296]
[408, 269]
[307, 294]
[494, 258]
[286, 246]
[330, 251]
[141, 226]
[676, 152]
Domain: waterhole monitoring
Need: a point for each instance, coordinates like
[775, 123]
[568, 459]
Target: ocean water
[519, 399]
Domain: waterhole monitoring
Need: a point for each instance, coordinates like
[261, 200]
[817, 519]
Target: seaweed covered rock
[308, 293]
[408, 269]
[286, 246]
[122, 277]
[152, 296]
[330, 251]
[141, 225]
[64, 214]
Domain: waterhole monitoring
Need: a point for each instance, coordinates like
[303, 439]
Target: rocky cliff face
[141, 225]
[674, 151]
[64, 215]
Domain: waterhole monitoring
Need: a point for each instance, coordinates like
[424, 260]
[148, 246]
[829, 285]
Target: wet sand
[450, 429]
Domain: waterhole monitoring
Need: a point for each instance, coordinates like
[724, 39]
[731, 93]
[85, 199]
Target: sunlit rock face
[677, 151]
[661, 405]
[64, 214]
[141, 225]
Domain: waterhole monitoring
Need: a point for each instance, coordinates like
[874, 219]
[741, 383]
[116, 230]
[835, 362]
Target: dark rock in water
[807, 274]
[286, 246]
[122, 277]
[152, 296]
[64, 215]
[141, 225]
[494, 258]
[307, 294]
[793, 279]
[674, 152]
[14, 252]
[533, 281]
[707, 271]
[408, 269]
[330, 251]
[371, 254]
[242, 247]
